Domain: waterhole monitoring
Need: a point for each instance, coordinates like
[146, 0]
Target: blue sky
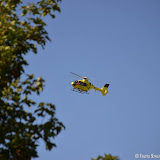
[117, 42]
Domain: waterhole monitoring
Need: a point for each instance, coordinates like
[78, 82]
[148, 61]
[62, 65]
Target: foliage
[22, 120]
[20, 129]
[106, 157]
[21, 34]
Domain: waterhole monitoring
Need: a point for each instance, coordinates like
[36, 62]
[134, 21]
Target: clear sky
[116, 42]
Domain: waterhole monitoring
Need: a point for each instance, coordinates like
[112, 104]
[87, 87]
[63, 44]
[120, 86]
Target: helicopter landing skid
[79, 91]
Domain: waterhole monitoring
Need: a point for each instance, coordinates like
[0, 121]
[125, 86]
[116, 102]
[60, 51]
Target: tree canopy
[106, 157]
[23, 121]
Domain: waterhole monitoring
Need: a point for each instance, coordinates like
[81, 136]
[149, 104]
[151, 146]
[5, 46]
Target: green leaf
[13, 22]
[49, 145]
[22, 23]
[41, 104]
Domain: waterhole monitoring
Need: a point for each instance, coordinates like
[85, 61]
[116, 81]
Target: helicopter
[83, 86]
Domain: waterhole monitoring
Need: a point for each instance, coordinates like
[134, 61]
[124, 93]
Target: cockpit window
[80, 83]
[85, 84]
[75, 82]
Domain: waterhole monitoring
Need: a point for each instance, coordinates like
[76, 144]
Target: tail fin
[104, 89]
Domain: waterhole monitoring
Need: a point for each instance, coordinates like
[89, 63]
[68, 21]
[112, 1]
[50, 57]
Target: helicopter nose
[72, 84]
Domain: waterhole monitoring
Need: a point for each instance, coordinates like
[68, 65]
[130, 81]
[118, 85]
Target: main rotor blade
[76, 75]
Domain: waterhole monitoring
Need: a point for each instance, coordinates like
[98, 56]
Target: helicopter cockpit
[79, 83]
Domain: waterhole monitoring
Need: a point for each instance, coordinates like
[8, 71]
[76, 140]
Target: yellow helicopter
[83, 86]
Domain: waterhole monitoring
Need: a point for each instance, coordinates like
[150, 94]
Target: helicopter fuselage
[83, 85]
